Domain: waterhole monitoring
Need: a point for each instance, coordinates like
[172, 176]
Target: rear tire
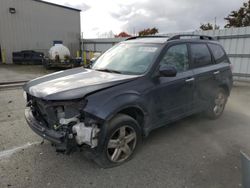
[217, 105]
[121, 140]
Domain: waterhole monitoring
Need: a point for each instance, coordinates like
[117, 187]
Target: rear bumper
[41, 130]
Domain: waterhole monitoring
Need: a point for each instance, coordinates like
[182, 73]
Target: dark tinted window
[176, 56]
[201, 55]
[218, 52]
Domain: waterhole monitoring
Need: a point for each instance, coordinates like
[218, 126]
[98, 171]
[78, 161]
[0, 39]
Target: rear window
[218, 53]
[200, 55]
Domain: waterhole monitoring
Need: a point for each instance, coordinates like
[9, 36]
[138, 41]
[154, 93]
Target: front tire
[218, 104]
[122, 138]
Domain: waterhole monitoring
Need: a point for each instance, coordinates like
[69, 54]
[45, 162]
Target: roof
[163, 39]
[156, 40]
[53, 4]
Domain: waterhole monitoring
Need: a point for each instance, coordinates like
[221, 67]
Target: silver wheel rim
[220, 101]
[121, 144]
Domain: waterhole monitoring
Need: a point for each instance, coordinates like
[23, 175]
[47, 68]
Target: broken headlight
[69, 110]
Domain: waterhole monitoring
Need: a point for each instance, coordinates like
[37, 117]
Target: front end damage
[64, 124]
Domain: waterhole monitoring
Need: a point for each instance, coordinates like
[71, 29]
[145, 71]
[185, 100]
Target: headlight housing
[69, 109]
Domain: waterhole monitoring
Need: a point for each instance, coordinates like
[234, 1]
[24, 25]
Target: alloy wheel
[121, 144]
[220, 101]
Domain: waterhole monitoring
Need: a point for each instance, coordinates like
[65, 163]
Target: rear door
[206, 74]
[222, 64]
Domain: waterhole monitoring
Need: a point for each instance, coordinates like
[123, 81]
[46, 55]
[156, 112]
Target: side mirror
[167, 71]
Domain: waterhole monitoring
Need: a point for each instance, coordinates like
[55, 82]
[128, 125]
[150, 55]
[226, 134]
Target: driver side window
[176, 56]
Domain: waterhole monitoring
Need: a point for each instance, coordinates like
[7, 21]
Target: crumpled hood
[73, 83]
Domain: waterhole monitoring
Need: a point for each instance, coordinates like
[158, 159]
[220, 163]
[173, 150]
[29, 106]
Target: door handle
[216, 72]
[189, 80]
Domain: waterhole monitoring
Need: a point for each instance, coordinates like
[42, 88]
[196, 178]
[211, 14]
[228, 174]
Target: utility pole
[215, 24]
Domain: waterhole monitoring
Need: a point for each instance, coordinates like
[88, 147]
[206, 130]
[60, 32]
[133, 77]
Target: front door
[174, 95]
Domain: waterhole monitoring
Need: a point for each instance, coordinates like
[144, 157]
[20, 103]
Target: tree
[208, 26]
[148, 31]
[122, 34]
[239, 18]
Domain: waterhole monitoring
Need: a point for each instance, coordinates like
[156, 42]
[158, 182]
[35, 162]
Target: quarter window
[200, 55]
[176, 56]
[218, 52]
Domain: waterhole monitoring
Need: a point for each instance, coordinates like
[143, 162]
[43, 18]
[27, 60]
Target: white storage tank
[59, 52]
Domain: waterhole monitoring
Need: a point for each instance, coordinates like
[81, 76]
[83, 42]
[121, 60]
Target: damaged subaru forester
[136, 86]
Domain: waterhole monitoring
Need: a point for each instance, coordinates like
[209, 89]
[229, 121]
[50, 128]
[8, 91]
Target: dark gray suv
[138, 85]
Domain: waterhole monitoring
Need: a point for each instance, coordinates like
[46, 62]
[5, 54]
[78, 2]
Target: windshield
[127, 58]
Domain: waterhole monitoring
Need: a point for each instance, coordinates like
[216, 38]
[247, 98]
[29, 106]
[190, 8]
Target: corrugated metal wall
[99, 44]
[236, 42]
[35, 25]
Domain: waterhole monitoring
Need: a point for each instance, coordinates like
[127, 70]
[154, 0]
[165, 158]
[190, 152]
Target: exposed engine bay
[66, 119]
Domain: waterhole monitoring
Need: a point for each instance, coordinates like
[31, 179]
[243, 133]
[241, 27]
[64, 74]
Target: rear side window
[218, 53]
[200, 55]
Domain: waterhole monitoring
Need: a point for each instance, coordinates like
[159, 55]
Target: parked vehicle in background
[27, 57]
[135, 87]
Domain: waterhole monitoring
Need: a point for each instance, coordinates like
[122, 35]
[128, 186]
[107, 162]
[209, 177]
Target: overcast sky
[103, 16]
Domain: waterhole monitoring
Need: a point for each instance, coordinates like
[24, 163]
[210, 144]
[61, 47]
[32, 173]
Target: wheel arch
[134, 111]
[225, 88]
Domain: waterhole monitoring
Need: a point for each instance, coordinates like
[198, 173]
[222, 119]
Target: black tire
[218, 104]
[106, 155]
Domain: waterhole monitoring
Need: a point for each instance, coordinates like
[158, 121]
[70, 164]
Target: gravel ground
[193, 152]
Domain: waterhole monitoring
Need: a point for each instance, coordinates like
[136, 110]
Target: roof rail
[148, 36]
[201, 37]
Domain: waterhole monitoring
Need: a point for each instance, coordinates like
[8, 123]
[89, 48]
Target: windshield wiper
[109, 70]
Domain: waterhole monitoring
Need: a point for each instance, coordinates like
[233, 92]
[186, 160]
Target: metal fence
[236, 42]
[90, 46]
[99, 44]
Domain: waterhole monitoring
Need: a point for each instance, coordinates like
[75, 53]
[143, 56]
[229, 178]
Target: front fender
[106, 108]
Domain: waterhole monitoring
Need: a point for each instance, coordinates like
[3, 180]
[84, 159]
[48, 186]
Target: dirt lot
[194, 152]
